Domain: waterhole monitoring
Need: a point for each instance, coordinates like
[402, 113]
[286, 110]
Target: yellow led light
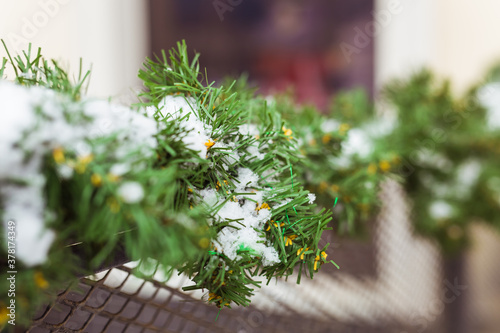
[209, 144]
[58, 155]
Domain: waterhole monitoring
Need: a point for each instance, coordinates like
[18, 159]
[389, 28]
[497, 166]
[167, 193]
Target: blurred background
[317, 48]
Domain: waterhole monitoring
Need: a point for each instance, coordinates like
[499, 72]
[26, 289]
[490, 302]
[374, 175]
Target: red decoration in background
[304, 72]
[281, 44]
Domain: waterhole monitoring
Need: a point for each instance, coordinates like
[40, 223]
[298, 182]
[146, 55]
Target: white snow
[489, 96]
[209, 196]
[25, 206]
[177, 107]
[468, 172]
[133, 129]
[330, 125]
[440, 210]
[119, 169]
[243, 217]
[357, 143]
[384, 125]
[254, 151]
[467, 176]
[433, 159]
[37, 120]
[246, 178]
[245, 220]
[231, 240]
[65, 171]
[249, 129]
[131, 192]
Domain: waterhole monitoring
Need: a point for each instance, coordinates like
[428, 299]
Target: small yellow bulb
[96, 180]
[82, 163]
[343, 128]
[288, 239]
[58, 155]
[301, 253]
[287, 132]
[385, 166]
[209, 144]
[40, 280]
[318, 259]
[263, 206]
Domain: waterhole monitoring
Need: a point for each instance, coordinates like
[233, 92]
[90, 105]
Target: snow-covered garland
[200, 179]
[37, 122]
[339, 147]
[241, 171]
[248, 215]
[80, 171]
[449, 148]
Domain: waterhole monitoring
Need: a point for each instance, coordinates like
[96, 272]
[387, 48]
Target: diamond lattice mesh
[391, 283]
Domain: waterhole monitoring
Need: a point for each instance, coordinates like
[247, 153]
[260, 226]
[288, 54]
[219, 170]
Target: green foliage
[90, 216]
[344, 180]
[450, 158]
[171, 222]
[36, 71]
[293, 229]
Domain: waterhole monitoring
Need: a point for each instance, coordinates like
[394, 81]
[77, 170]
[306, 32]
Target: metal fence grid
[392, 284]
[92, 306]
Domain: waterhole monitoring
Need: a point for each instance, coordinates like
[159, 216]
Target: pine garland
[81, 171]
[248, 165]
[450, 156]
[341, 162]
[200, 178]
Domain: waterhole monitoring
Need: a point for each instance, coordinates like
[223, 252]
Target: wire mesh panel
[393, 283]
[137, 305]
[406, 278]
[111, 303]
